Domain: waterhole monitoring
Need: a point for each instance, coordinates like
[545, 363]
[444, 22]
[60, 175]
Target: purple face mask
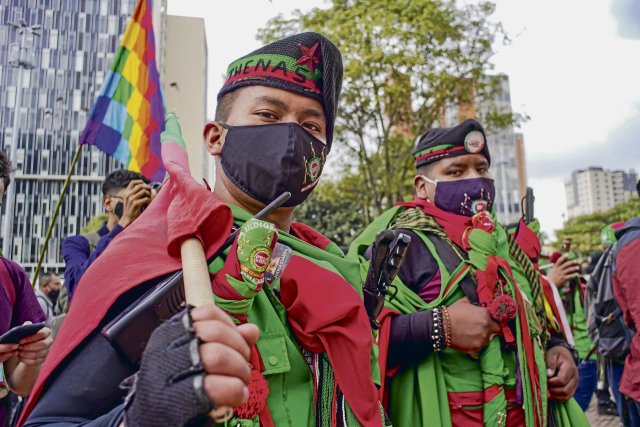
[465, 196]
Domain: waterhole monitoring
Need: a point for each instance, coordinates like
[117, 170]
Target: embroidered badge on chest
[259, 259]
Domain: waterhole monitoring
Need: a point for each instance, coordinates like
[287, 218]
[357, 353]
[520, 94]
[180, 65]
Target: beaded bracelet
[447, 327]
[437, 336]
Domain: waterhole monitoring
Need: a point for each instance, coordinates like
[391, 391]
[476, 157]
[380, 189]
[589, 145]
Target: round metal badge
[474, 142]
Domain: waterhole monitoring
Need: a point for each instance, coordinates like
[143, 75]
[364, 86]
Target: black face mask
[53, 295]
[264, 161]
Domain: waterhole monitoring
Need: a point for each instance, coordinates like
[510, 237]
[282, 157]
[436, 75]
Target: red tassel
[506, 332]
[258, 393]
[503, 308]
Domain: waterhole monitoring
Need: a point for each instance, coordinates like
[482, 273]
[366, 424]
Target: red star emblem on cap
[309, 57]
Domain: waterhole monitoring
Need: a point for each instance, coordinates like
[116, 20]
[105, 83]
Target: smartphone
[14, 335]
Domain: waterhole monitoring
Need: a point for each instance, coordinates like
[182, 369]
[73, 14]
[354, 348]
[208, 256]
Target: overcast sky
[574, 68]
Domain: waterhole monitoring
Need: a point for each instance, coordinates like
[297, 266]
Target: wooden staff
[197, 292]
[197, 283]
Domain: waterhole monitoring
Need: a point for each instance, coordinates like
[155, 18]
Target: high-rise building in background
[70, 60]
[506, 147]
[184, 71]
[595, 189]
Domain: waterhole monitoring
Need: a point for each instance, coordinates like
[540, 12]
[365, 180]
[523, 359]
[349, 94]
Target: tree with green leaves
[584, 230]
[330, 209]
[95, 223]
[405, 60]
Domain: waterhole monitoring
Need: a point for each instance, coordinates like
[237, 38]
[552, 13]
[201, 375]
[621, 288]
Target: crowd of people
[471, 324]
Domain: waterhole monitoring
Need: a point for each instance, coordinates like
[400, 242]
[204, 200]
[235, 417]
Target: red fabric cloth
[384, 334]
[466, 408]
[528, 241]
[343, 331]
[181, 209]
[626, 288]
[309, 235]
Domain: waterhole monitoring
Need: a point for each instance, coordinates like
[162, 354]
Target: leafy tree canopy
[584, 230]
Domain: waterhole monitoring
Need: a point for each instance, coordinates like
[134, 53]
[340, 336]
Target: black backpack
[605, 323]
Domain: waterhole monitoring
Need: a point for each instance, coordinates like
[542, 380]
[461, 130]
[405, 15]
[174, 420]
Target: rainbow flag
[128, 116]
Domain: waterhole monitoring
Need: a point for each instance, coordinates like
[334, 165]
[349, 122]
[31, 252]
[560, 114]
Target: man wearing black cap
[466, 339]
[312, 362]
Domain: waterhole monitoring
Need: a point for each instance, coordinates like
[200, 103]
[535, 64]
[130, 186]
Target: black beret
[440, 143]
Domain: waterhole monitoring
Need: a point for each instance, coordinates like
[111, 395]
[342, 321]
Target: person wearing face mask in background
[124, 195]
[47, 293]
[467, 339]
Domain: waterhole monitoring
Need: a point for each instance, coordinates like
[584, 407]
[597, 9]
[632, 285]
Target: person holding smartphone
[21, 361]
[125, 195]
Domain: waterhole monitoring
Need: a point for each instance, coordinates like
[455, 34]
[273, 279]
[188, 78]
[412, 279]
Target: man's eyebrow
[313, 112]
[273, 101]
[457, 165]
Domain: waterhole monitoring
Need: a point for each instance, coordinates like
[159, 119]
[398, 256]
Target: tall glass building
[70, 61]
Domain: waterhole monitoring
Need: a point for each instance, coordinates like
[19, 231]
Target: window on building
[53, 39]
[79, 61]
[112, 25]
[104, 7]
[11, 97]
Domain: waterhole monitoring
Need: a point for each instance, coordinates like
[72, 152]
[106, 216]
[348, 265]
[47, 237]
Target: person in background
[47, 293]
[125, 194]
[458, 345]
[565, 275]
[626, 288]
[20, 363]
[605, 405]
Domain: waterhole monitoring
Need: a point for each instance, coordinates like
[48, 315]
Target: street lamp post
[21, 58]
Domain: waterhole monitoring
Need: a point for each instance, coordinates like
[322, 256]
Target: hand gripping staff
[130, 332]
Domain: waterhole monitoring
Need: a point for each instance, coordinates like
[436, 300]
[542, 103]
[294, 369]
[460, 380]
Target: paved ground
[601, 420]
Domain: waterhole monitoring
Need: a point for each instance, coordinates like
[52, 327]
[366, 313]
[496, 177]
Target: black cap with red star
[308, 64]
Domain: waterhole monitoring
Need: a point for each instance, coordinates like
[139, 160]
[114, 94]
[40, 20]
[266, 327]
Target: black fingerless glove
[168, 389]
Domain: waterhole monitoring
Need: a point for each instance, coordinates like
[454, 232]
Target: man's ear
[421, 187]
[213, 138]
[106, 203]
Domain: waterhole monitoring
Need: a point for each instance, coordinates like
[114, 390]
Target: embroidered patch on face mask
[314, 166]
[479, 206]
[474, 142]
[313, 169]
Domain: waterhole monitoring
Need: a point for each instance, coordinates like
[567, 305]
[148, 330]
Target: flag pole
[56, 210]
